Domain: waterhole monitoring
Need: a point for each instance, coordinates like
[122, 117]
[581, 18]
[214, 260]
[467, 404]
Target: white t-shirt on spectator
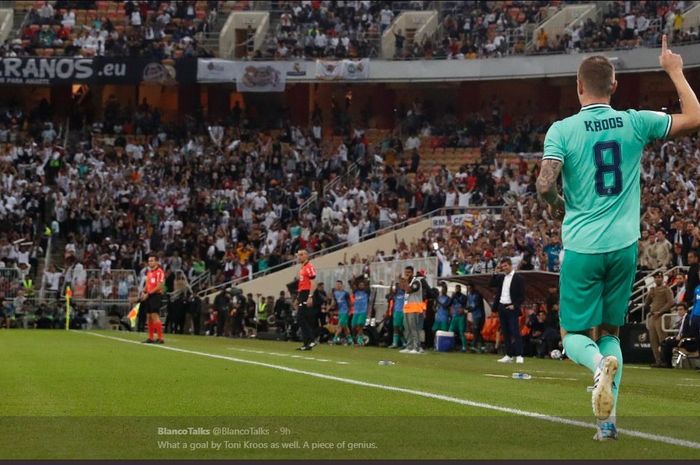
[386, 16]
[321, 41]
[177, 226]
[105, 266]
[498, 41]
[464, 199]
[23, 257]
[353, 233]
[259, 202]
[68, 19]
[412, 142]
[642, 24]
[220, 244]
[53, 280]
[450, 198]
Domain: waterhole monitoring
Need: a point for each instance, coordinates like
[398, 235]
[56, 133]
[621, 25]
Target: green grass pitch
[75, 395]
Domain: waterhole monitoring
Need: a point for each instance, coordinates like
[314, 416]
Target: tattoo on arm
[547, 181]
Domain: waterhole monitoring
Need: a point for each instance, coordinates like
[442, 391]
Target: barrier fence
[10, 283]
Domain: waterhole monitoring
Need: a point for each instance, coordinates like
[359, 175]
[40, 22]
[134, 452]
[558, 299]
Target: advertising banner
[266, 77]
[440, 222]
[99, 70]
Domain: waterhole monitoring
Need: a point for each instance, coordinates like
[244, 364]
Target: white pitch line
[276, 354]
[415, 392]
[495, 376]
[690, 385]
[636, 367]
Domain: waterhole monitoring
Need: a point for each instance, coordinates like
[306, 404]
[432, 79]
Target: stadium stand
[117, 29]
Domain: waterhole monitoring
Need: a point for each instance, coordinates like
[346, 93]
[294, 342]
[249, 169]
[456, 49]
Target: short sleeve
[554, 144]
[652, 125]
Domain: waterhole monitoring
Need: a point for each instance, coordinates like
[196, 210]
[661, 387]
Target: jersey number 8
[602, 168]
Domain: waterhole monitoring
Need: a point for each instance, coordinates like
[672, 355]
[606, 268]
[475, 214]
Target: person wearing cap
[658, 301]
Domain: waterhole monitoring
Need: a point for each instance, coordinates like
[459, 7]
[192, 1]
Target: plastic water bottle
[386, 362]
[521, 376]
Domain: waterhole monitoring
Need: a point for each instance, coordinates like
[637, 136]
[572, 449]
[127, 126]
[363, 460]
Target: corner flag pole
[69, 294]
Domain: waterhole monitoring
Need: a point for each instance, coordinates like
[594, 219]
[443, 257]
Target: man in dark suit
[509, 298]
[686, 337]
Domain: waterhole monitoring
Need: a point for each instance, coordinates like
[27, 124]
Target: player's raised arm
[689, 119]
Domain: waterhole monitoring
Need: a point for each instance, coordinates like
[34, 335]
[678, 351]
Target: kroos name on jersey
[604, 124]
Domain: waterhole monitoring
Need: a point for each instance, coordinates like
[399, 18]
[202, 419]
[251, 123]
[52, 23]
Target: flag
[133, 314]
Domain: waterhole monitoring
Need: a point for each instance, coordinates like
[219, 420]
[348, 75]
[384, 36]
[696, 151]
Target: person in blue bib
[341, 303]
[397, 300]
[361, 307]
[442, 310]
[458, 324]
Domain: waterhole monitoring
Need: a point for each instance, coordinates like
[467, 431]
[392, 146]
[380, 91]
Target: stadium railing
[641, 289]
[10, 283]
[47, 263]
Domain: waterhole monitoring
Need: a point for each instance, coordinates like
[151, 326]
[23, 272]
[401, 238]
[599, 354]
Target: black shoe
[656, 365]
[302, 347]
[306, 347]
[148, 341]
[160, 341]
[312, 345]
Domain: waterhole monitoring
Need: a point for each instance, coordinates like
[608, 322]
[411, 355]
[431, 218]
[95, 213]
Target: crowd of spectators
[471, 30]
[149, 29]
[322, 29]
[625, 25]
[337, 30]
[223, 201]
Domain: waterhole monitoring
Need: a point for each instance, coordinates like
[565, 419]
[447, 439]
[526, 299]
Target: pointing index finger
[664, 44]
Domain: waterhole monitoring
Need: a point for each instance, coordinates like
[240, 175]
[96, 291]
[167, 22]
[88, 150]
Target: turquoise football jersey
[601, 151]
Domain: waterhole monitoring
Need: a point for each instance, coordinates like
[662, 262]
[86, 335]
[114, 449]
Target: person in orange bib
[151, 299]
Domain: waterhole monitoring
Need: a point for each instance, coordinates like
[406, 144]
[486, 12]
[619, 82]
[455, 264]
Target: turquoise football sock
[582, 350]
